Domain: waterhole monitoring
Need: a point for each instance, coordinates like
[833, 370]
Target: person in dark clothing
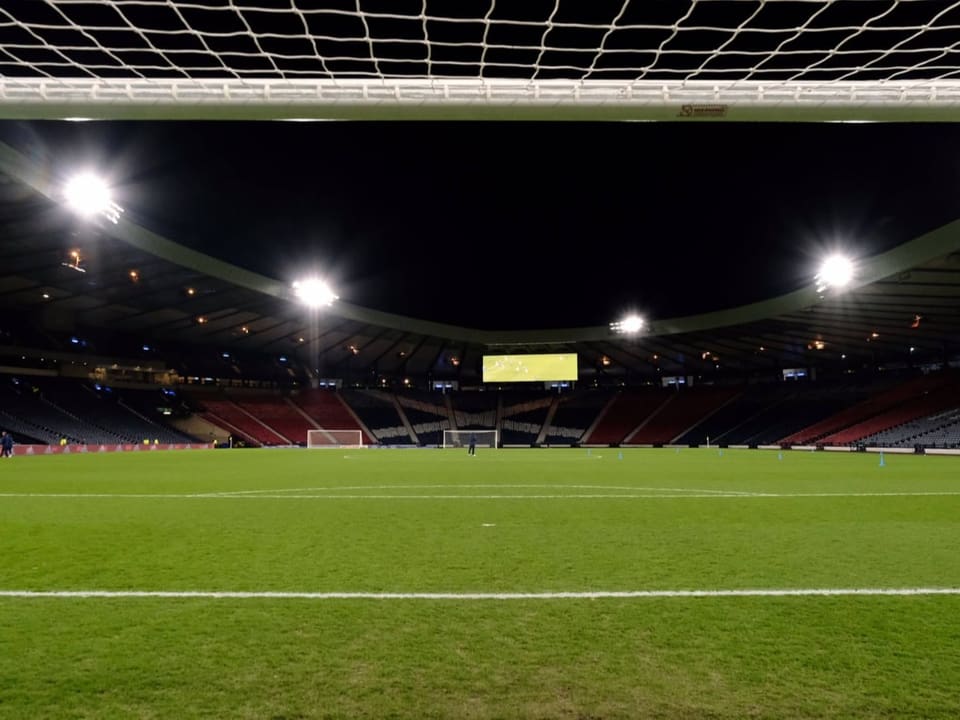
[6, 444]
[472, 447]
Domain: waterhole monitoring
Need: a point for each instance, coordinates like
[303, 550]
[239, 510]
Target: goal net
[435, 59]
[461, 438]
[334, 439]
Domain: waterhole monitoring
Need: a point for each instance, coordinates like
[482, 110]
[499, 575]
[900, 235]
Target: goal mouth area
[461, 439]
[335, 439]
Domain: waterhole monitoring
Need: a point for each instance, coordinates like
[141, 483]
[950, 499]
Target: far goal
[461, 438]
[333, 439]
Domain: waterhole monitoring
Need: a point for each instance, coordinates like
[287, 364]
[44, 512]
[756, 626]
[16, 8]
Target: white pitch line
[586, 595]
[565, 496]
[228, 493]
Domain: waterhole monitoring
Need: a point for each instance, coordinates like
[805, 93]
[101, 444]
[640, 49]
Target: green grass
[513, 521]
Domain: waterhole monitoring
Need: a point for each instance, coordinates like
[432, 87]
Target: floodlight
[836, 271]
[313, 292]
[88, 196]
[628, 325]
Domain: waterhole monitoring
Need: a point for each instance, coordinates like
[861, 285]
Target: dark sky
[524, 225]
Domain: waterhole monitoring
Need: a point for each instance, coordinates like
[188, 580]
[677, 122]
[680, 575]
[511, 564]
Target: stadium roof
[905, 306]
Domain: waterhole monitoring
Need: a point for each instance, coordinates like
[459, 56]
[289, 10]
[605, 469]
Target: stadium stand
[625, 413]
[429, 414]
[239, 422]
[379, 411]
[152, 404]
[885, 410]
[66, 408]
[279, 414]
[804, 404]
[852, 423]
[32, 419]
[574, 413]
[328, 410]
[523, 415]
[751, 401]
[683, 410]
[941, 430]
[934, 400]
[474, 410]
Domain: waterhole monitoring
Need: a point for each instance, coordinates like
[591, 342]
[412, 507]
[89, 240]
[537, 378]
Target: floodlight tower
[628, 325]
[88, 195]
[314, 292]
[836, 272]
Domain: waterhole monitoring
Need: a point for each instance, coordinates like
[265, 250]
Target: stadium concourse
[113, 334]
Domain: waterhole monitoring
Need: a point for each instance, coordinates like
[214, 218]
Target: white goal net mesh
[334, 439]
[461, 438]
[733, 59]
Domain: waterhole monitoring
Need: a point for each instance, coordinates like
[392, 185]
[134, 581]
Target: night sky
[523, 225]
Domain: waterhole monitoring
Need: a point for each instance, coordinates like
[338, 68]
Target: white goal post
[461, 438]
[334, 439]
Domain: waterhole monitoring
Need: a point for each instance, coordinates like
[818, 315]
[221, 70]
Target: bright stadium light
[628, 325]
[836, 272]
[313, 292]
[89, 195]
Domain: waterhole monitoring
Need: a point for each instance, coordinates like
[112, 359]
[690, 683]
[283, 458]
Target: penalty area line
[467, 596]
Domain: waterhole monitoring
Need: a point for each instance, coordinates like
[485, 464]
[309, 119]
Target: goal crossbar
[413, 98]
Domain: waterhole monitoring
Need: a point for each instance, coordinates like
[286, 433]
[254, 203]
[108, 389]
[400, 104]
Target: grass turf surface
[505, 521]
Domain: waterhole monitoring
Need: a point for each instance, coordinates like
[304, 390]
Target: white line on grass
[566, 496]
[595, 595]
[474, 487]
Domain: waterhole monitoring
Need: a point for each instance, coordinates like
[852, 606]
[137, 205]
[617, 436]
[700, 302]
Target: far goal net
[332, 439]
[461, 438]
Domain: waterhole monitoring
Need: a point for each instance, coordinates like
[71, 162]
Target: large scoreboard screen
[529, 368]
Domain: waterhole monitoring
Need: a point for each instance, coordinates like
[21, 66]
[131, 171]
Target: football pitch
[567, 583]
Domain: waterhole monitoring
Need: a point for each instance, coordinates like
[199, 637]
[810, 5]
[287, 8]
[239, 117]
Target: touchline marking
[587, 595]
[565, 496]
[501, 487]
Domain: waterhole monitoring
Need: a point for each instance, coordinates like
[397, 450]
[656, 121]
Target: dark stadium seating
[575, 413]
[237, 421]
[877, 403]
[328, 411]
[683, 411]
[522, 416]
[882, 409]
[279, 414]
[932, 401]
[82, 413]
[378, 411]
[625, 414]
[940, 430]
[750, 402]
[427, 413]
